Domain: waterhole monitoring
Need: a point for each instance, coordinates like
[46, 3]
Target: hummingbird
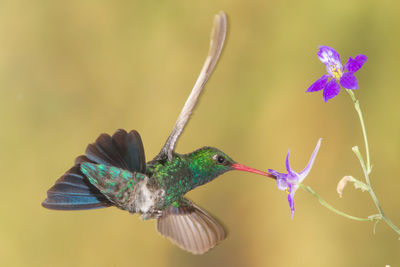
[113, 172]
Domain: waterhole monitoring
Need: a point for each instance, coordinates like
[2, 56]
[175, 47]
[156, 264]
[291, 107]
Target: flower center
[336, 72]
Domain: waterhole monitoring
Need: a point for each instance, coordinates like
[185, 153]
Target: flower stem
[367, 168]
[327, 205]
[358, 109]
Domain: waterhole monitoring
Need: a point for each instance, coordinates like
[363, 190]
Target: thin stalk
[367, 168]
[358, 109]
[327, 205]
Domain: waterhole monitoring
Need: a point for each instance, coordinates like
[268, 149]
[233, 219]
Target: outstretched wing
[190, 227]
[122, 150]
[218, 35]
[116, 184]
[73, 191]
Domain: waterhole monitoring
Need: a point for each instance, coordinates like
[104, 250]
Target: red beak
[241, 167]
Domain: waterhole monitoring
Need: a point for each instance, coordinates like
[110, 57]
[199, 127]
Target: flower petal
[292, 177]
[282, 183]
[318, 84]
[330, 58]
[327, 54]
[277, 174]
[287, 163]
[355, 64]
[331, 90]
[290, 198]
[307, 169]
[349, 81]
[281, 179]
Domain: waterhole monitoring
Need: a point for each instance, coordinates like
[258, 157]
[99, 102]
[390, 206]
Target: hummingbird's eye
[220, 159]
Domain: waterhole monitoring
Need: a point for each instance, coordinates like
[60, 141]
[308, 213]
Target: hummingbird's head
[208, 163]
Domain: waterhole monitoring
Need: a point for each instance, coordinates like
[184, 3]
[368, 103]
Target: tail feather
[73, 191]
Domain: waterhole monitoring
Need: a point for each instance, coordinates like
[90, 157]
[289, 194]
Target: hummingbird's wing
[122, 150]
[116, 184]
[190, 227]
[218, 35]
[73, 191]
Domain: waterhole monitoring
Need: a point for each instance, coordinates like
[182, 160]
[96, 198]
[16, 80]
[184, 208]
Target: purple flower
[289, 181]
[336, 75]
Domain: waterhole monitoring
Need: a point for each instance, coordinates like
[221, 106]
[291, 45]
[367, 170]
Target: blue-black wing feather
[73, 191]
[122, 150]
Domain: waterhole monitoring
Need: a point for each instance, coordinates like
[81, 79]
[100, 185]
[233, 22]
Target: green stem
[367, 168]
[327, 205]
[358, 109]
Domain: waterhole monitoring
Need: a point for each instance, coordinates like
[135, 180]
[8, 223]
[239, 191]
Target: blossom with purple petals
[290, 181]
[337, 76]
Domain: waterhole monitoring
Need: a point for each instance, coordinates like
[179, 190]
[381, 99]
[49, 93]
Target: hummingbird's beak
[241, 167]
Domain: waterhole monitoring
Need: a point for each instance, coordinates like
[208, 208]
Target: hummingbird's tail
[74, 192]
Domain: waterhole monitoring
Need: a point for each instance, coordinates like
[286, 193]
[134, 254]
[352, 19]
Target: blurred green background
[70, 70]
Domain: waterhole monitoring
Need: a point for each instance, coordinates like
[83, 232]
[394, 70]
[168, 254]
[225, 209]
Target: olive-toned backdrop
[71, 70]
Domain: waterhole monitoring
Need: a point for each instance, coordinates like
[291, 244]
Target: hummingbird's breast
[172, 177]
[146, 199]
